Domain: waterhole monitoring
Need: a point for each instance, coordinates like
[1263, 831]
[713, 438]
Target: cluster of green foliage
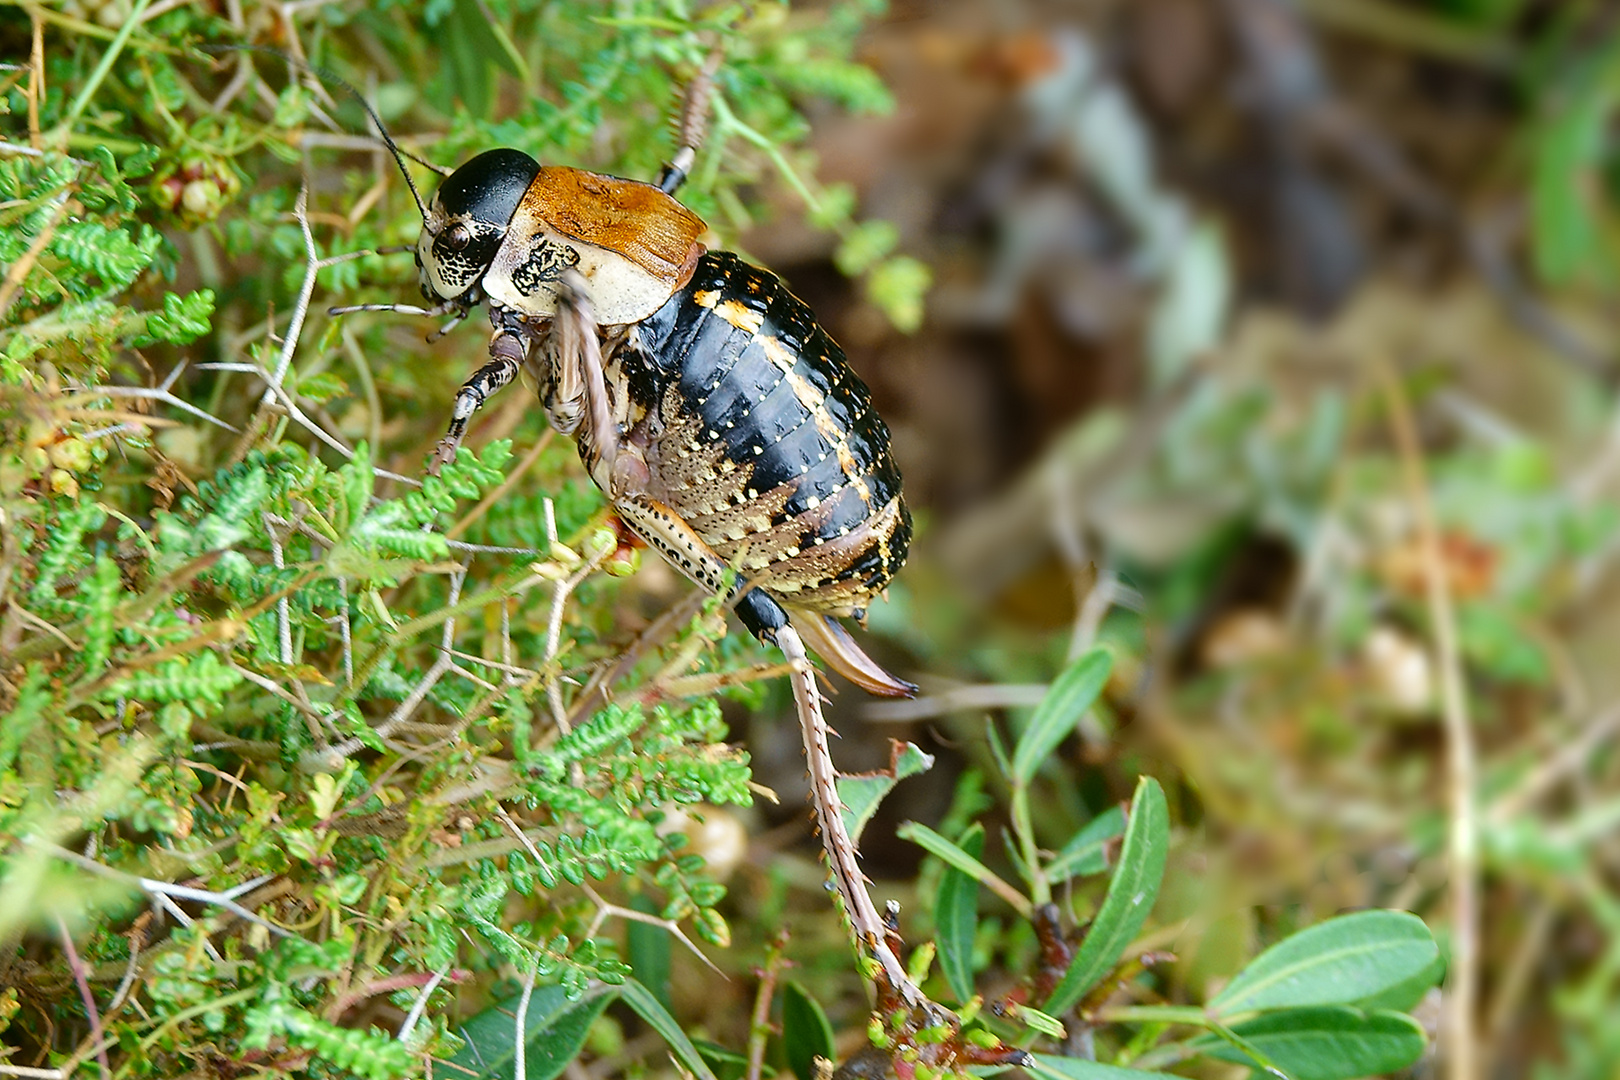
[1327, 1003]
[317, 717]
[242, 664]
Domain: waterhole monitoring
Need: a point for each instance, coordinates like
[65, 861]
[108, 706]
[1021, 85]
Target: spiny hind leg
[672, 537]
[871, 932]
[669, 534]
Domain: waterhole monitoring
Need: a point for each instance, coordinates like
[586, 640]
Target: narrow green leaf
[1325, 1043]
[727, 1063]
[1070, 696]
[1130, 897]
[998, 749]
[1566, 233]
[1087, 851]
[648, 947]
[1068, 1068]
[647, 1007]
[1038, 1022]
[806, 1032]
[956, 918]
[553, 1031]
[861, 793]
[1343, 960]
[935, 844]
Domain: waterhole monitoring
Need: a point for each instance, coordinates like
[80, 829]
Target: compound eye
[457, 237]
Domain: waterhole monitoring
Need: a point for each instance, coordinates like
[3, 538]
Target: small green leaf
[1038, 1022]
[1087, 851]
[864, 245]
[1327, 1043]
[323, 387]
[712, 927]
[1068, 699]
[1565, 210]
[472, 45]
[806, 1032]
[647, 1007]
[1346, 959]
[837, 206]
[898, 286]
[1405, 995]
[956, 918]
[861, 793]
[1068, 1068]
[1130, 897]
[1190, 315]
[554, 1029]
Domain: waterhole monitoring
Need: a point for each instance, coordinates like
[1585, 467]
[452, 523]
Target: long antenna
[343, 84]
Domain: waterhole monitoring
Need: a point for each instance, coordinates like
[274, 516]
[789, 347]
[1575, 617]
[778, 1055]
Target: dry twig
[1457, 1027]
[77, 967]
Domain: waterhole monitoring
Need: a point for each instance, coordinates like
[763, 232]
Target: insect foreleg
[506, 350]
[626, 475]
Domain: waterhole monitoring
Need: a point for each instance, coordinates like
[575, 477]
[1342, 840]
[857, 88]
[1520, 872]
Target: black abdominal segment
[759, 385]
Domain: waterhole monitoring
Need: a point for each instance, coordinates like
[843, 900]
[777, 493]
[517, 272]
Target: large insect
[726, 427]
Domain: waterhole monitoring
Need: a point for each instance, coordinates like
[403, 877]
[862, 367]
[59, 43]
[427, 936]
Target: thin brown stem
[18, 271]
[1458, 1022]
[77, 967]
[36, 80]
[759, 1027]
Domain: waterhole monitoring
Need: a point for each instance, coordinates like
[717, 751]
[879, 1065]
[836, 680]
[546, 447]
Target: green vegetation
[312, 767]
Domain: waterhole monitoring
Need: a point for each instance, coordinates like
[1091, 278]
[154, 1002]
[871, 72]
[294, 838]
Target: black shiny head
[467, 222]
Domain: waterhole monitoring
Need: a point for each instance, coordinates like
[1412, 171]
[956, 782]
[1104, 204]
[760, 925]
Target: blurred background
[1224, 292]
[1271, 343]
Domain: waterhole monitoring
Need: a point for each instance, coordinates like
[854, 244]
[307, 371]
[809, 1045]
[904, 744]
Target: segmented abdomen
[769, 446]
